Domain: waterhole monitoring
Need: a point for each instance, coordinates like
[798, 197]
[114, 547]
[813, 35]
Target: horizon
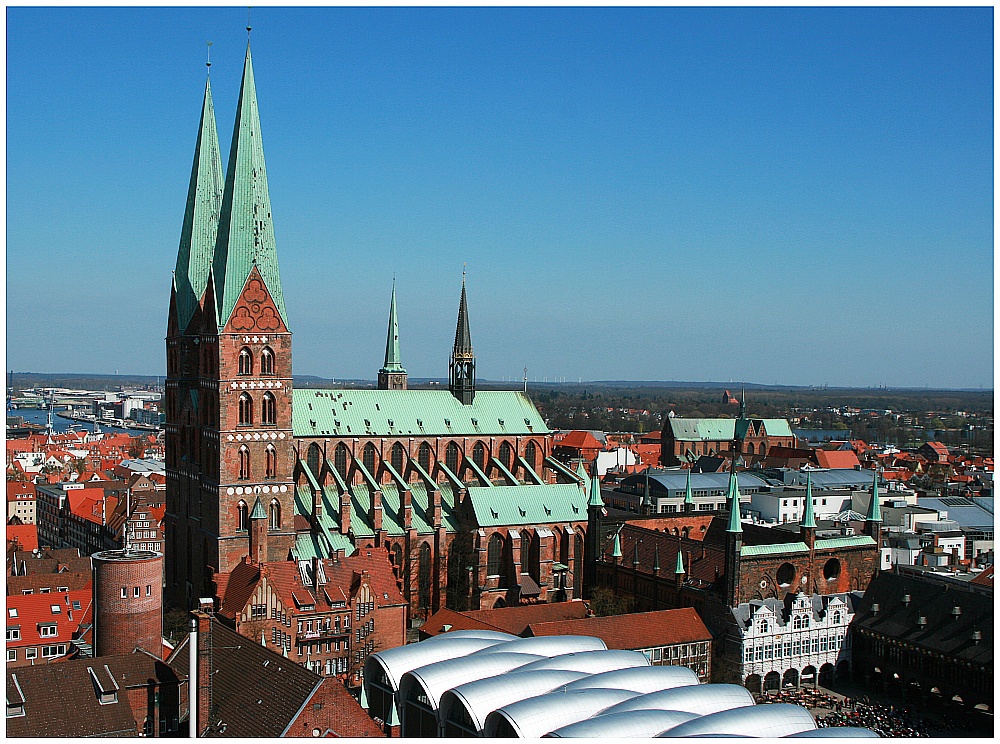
[797, 194]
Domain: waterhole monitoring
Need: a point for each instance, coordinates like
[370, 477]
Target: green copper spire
[635, 555]
[680, 563]
[595, 490]
[258, 510]
[734, 504]
[246, 232]
[581, 472]
[874, 508]
[688, 496]
[463, 340]
[392, 363]
[656, 558]
[201, 216]
[808, 518]
[616, 550]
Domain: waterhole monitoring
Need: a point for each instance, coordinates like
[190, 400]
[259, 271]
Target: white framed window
[135, 591]
[48, 631]
[13, 634]
[11, 654]
[30, 653]
[124, 593]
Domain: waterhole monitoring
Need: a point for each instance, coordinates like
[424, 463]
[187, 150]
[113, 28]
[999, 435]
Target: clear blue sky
[802, 196]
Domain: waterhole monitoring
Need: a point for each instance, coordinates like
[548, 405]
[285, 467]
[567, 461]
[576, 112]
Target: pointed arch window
[424, 576]
[479, 455]
[312, 459]
[494, 554]
[267, 362]
[451, 457]
[368, 457]
[531, 455]
[245, 362]
[275, 515]
[424, 456]
[505, 454]
[270, 462]
[340, 460]
[244, 463]
[268, 410]
[397, 455]
[241, 516]
[246, 410]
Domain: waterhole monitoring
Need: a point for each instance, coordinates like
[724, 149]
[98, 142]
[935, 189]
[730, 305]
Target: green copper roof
[688, 496]
[733, 499]
[680, 563]
[527, 505]
[808, 518]
[856, 541]
[246, 232]
[392, 363]
[720, 430]
[753, 551]
[463, 340]
[201, 216]
[258, 510]
[616, 551]
[874, 508]
[403, 413]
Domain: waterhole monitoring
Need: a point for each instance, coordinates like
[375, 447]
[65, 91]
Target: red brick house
[42, 627]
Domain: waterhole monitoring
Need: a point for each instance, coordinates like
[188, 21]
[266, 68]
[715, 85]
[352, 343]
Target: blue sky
[802, 196]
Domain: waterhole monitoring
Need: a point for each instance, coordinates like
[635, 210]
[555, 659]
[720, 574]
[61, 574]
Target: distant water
[60, 424]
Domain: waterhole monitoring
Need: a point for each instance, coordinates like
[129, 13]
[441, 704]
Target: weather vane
[208, 63]
[249, 27]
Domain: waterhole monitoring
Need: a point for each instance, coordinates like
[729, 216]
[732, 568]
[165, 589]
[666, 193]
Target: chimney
[315, 568]
[199, 691]
[345, 512]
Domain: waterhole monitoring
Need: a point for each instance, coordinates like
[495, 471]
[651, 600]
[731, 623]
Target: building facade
[685, 440]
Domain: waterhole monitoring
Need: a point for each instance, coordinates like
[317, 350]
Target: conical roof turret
[392, 359]
[874, 508]
[246, 231]
[680, 563]
[734, 504]
[201, 217]
[688, 495]
[595, 490]
[808, 518]
[616, 547]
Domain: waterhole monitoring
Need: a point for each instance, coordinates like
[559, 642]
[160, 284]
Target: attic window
[447, 422]
[500, 421]
[56, 609]
[528, 422]
[391, 423]
[368, 423]
[420, 423]
[523, 512]
[475, 422]
[12, 612]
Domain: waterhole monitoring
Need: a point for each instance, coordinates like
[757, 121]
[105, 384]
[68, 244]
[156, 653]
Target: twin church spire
[227, 231]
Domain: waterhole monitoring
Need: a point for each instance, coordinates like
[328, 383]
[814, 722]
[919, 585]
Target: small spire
[616, 550]
[680, 562]
[808, 519]
[734, 504]
[595, 490]
[656, 558]
[874, 508]
[392, 358]
[635, 556]
[249, 27]
[208, 61]
[646, 500]
[688, 496]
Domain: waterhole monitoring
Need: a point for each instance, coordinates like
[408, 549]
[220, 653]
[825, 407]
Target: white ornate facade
[803, 640]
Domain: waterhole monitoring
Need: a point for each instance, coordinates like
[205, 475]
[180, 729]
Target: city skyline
[811, 187]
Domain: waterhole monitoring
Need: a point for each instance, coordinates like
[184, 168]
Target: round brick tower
[128, 602]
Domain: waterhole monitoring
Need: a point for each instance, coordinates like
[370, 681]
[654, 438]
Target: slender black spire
[462, 370]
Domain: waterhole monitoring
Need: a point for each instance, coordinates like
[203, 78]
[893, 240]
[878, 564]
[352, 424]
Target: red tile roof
[34, 611]
[18, 490]
[25, 535]
[633, 631]
[581, 440]
[512, 620]
[985, 578]
[837, 459]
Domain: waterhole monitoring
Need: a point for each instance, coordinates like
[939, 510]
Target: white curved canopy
[591, 661]
[762, 721]
[548, 645]
[486, 634]
[639, 679]
[700, 699]
[537, 716]
[482, 697]
[395, 662]
[440, 676]
[631, 724]
[835, 732]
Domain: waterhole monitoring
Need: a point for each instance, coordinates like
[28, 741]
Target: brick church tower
[229, 365]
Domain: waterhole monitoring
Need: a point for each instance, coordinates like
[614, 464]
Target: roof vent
[523, 512]
[956, 612]
[391, 424]
[977, 636]
[447, 422]
[906, 600]
[875, 608]
[921, 621]
[420, 423]
[445, 628]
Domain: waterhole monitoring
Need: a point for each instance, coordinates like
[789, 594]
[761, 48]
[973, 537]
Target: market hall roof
[719, 430]
[413, 413]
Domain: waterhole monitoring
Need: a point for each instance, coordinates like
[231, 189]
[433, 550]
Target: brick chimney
[200, 699]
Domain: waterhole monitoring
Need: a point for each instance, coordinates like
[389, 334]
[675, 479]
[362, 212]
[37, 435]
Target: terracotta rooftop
[837, 459]
[513, 620]
[632, 631]
[581, 440]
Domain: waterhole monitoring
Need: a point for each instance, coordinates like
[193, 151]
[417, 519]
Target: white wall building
[801, 641]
